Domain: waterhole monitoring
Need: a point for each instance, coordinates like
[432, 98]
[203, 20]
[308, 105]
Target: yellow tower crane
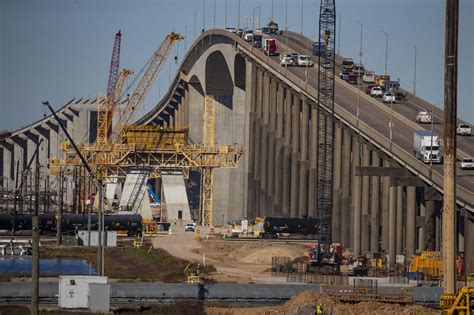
[207, 178]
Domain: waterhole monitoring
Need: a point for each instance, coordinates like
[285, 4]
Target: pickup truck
[463, 130]
[286, 59]
[369, 77]
[424, 117]
[467, 164]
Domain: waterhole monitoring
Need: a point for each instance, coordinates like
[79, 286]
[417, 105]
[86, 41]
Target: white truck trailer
[426, 146]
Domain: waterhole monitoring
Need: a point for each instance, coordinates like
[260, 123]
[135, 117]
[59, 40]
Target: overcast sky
[59, 49]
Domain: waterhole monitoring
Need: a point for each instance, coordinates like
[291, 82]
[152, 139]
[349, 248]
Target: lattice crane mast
[137, 98]
[324, 194]
[104, 119]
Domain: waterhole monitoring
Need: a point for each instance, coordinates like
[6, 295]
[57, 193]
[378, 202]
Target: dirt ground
[235, 261]
[305, 303]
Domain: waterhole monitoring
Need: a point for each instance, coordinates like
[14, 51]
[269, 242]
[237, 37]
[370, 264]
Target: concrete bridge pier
[337, 192]
[375, 206]
[468, 242]
[356, 196]
[286, 198]
[399, 222]
[295, 156]
[385, 214]
[304, 163]
[410, 242]
[346, 189]
[392, 246]
[365, 194]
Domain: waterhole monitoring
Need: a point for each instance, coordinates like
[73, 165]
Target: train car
[70, 223]
[272, 226]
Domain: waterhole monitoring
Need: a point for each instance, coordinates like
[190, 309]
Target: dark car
[400, 96]
[345, 75]
[369, 88]
[352, 78]
[265, 30]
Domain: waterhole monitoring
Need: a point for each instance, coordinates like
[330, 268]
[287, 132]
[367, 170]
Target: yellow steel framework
[207, 178]
[457, 304]
[155, 148]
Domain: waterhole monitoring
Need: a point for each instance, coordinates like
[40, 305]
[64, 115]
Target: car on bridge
[286, 59]
[389, 97]
[467, 163]
[347, 64]
[344, 75]
[376, 91]
[327, 64]
[463, 130]
[369, 88]
[369, 77]
[248, 35]
[424, 117]
[352, 78]
[359, 69]
[304, 61]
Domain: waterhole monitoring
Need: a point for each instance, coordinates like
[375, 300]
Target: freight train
[129, 223]
[273, 226]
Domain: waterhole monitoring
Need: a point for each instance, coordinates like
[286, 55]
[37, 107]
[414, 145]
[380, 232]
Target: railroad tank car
[273, 226]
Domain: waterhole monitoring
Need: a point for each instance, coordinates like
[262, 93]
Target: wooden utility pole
[450, 115]
[35, 242]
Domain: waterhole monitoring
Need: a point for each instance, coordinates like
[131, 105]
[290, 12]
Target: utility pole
[358, 74]
[35, 241]
[203, 15]
[59, 212]
[450, 116]
[338, 36]
[225, 20]
[238, 16]
[414, 70]
[301, 17]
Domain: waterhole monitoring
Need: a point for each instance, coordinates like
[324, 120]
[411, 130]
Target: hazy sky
[58, 49]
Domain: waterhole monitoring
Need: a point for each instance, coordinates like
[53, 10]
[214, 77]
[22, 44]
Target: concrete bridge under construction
[386, 200]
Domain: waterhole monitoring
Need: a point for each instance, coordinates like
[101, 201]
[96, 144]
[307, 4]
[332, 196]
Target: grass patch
[128, 263]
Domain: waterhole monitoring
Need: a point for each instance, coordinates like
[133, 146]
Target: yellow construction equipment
[207, 178]
[457, 304]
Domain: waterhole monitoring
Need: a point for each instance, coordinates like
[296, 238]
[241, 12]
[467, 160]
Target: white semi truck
[426, 146]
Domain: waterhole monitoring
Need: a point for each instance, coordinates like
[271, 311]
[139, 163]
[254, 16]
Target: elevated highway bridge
[385, 199]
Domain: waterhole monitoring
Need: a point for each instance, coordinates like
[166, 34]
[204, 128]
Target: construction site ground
[236, 261]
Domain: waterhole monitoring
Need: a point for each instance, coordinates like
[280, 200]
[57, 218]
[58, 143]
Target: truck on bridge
[426, 146]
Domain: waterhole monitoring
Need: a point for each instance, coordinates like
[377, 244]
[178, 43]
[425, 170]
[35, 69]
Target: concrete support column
[468, 245]
[295, 156]
[375, 206]
[252, 84]
[410, 226]
[337, 193]
[313, 158]
[385, 218]
[286, 191]
[364, 237]
[270, 190]
[356, 196]
[258, 145]
[346, 187]
[279, 142]
[421, 229]
[264, 145]
[392, 246]
[186, 100]
[400, 206]
[430, 225]
[304, 163]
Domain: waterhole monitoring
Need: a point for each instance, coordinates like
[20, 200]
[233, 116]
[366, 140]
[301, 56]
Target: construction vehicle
[424, 117]
[430, 265]
[381, 80]
[322, 260]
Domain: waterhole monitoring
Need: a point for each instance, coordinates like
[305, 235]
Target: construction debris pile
[306, 303]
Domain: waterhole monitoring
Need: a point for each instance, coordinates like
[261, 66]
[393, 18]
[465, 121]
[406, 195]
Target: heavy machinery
[322, 260]
[430, 265]
[461, 303]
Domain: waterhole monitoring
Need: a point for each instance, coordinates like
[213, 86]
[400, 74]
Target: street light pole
[272, 11]
[358, 74]
[238, 17]
[203, 15]
[286, 22]
[225, 21]
[338, 37]
[386, 50]
[215, 14]
[414, 70]
[194, 34]
[259, 14]
[302, 17]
